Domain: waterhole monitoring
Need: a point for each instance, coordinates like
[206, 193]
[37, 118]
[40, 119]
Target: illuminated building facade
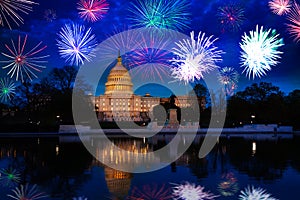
[119, 103]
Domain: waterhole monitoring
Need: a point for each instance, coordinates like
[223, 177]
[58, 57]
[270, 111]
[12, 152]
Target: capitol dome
[119, 80]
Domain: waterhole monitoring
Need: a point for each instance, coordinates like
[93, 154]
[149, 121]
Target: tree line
[43, 105]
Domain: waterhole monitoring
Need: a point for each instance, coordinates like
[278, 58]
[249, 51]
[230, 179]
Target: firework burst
[9, 177]
[229, 77]
[7, 90]
[151, 193]
[92, 10]
[255, 193]
[75, 44]
[260, 51]
[50, 15]
[150, 60]
[280, 7]
[193, 58]
[231, 17]
[26, 193]
[24, 62]
[189, 191]
[294, 26]
[171, 14]
[121, 40]
[9, 11]
[228, 186]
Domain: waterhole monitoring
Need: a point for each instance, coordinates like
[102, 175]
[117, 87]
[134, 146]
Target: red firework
[20, 62]
[92, 10]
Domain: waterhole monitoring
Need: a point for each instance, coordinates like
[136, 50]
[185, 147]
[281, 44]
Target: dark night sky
[285, 75]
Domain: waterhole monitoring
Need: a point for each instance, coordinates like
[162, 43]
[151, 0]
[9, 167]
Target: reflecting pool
[61, 168]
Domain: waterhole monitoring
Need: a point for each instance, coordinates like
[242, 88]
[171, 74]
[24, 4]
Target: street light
[252, 118]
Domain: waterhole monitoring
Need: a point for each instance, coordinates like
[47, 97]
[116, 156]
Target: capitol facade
[119, 103]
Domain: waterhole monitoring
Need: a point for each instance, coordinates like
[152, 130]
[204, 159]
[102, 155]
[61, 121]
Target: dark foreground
[62, 168]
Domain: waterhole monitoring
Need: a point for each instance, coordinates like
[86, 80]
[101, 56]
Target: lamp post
[252, 118]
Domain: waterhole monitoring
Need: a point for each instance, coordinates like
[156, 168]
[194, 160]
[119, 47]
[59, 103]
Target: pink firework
[150, 60]
[231, 17]
[280, 7]
[23, 62]
[151, 193]
[294, 26]
[92, 10]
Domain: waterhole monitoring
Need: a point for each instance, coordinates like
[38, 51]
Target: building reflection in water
[118, 182]
[108, 153]
[37, 160]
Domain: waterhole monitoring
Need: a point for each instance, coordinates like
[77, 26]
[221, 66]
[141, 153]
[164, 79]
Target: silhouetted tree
[293, 106]
[264, 101]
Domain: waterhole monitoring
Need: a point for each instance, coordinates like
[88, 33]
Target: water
[62, 168]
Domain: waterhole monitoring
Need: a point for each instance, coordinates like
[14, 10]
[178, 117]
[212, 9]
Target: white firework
[194, 58]
[259, 51]
[27, 193]
[251, 193]
[75, 43]
[280, 7]
[190, 191]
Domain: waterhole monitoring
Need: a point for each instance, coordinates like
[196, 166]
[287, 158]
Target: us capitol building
[119, 103]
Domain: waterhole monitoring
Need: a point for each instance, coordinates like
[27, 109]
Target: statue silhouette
[172, 105]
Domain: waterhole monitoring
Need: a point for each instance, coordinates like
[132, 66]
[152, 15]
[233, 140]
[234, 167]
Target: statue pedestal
[172, 122]
[173, 116]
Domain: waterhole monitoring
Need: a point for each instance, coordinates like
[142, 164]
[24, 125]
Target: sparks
[189, 191]
[280, 7]
[26, 193]
[92, 10]
[193, 58]
[228, 77]
[255, 193]
[9, 11]
[172, 14]
[231, 17]
[9, 177]
[50, 15]
[150, 60]
[20, 62]
[294, 26]
[260, 51]
[149, 192]
[75, 44]
[228, 186]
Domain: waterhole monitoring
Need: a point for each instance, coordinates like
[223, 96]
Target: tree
[62, 79]
[200, 90]
[293, 106]
[258, 103]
